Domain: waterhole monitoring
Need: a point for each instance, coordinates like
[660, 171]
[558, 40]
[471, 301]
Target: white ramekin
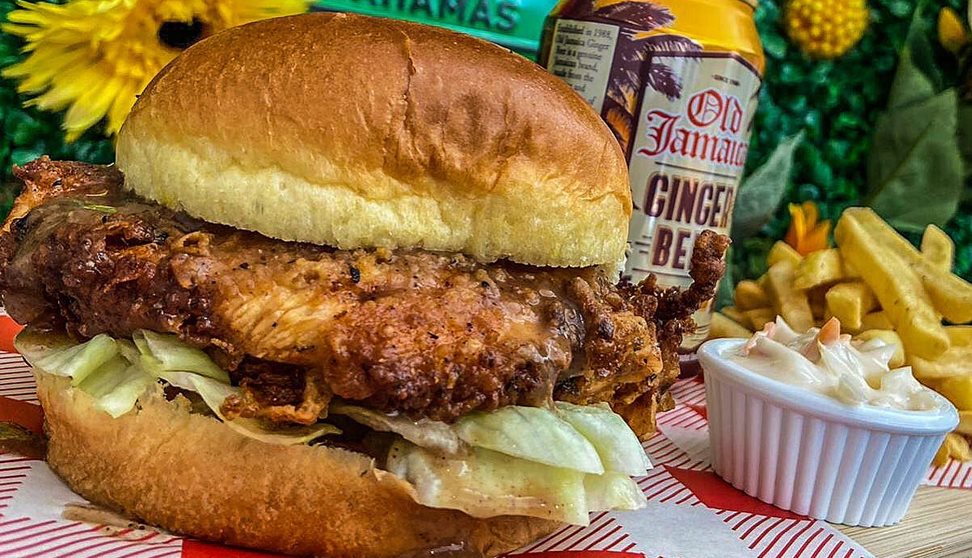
[813, 455]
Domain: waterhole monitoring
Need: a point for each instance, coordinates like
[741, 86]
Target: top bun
[359, 132]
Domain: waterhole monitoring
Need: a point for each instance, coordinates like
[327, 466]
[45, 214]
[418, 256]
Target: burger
[350, 289]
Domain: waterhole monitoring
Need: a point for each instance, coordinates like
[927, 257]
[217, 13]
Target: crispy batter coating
[429, 334]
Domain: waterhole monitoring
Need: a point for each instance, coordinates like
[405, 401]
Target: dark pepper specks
[20, 227]
[355, 274]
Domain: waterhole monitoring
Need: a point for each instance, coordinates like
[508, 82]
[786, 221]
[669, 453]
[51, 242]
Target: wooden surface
[938, 525]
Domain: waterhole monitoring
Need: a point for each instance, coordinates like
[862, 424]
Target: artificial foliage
[837, 105]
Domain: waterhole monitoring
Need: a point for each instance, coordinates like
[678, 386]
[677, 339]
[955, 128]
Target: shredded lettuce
[116, 386]
[533, 434]
[172, 355]
[613, 491]
[430, 434]
[488, 483]
[99, 367]
[556, 463]
[79, 361]
[33, 345]
[617, 446]
[116, 372]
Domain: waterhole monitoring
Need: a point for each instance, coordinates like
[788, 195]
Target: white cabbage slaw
[825, 361]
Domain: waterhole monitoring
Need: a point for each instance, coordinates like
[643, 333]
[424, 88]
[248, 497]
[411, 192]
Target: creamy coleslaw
[830, 363]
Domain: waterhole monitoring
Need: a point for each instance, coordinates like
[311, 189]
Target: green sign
[515, 24]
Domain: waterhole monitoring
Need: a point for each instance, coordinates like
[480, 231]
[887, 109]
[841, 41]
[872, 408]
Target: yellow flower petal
[121, 106]
[94, 56]
[805, 234]
[92, 106]
[812, 214]
[798, 225]
[951, 31]
[818, 239]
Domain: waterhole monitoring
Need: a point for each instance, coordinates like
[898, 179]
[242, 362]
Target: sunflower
[93, 57]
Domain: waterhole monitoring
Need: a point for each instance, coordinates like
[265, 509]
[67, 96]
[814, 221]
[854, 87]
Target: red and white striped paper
[690, 513]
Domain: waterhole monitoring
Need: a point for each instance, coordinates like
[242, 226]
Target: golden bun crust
[192, 475]
[354, 132]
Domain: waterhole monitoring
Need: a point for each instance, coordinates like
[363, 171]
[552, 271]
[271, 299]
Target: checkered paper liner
[690, 512]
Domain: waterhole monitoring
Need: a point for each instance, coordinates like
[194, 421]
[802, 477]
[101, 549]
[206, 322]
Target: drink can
[677, 81]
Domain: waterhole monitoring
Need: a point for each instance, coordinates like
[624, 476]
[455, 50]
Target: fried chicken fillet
[428, 334]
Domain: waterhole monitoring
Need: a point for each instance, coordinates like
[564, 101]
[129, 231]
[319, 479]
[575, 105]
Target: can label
[683, 116]
[686, 162]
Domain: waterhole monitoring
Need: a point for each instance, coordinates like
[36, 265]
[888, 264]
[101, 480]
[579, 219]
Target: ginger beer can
[677, 81]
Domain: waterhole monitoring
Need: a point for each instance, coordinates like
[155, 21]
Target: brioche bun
[357, 132]
[197, 477]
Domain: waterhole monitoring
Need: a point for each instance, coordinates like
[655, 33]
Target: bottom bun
[192, 475]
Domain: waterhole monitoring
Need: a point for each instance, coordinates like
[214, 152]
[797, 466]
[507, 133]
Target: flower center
[181, 34]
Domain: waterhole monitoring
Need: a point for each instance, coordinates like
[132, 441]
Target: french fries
[956, 361]
[950, 293]
[959, 335]
[965, 423]
[750, 295]
[823, 267]
[788, 301]
[897, 287]
[957, 389]
[758, 317]
[880, 287]
[735, 315]
[723, 327]
[781, 251]
[954, 447]
[937, 248]
[876, 320]
[849, 302]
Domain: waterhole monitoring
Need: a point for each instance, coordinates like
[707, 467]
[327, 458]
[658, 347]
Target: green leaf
[915, 167]
[965, 137]
[910, 85]
[761, 193]
[921, 45]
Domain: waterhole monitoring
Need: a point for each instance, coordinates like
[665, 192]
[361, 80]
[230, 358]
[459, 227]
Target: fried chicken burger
[349, 290]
